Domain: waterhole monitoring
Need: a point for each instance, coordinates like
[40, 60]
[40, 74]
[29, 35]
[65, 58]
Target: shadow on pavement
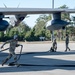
[32, 62]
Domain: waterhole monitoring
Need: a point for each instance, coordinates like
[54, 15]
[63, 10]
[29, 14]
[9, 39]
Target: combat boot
[4, 61]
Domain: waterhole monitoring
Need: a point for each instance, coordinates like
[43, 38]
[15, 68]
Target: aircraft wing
[21, 13]
[14, 11]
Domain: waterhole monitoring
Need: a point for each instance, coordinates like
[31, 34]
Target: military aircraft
[21, 13]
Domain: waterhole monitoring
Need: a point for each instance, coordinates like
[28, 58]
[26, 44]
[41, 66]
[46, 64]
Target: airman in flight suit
[13, 45]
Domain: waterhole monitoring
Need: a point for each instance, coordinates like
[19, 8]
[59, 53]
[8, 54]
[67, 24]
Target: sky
[31, 20]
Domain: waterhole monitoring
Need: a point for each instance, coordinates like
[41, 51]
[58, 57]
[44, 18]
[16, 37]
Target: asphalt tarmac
[36, 60]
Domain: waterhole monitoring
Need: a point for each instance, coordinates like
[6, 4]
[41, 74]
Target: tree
[65, 16]
[1, 36]
[22, 29]
[40, 27]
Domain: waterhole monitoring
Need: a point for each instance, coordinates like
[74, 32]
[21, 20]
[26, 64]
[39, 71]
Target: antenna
[18, 5]
[5, 5]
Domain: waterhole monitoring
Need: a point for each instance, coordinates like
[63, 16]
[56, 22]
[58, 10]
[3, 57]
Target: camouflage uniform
[54, 46]
[13, 45]
[67, 42]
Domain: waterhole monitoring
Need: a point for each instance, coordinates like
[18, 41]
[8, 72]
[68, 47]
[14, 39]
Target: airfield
[36, 60]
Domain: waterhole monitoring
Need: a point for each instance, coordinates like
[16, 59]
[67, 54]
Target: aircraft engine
[56, 23]
[19, 18]
[3, 25]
